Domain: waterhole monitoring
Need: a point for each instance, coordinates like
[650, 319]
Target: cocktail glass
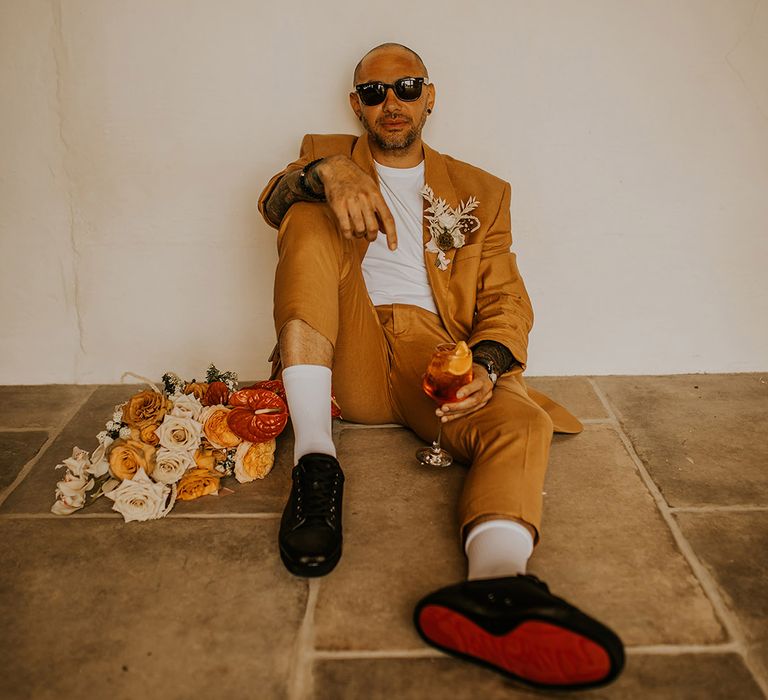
[449, 369]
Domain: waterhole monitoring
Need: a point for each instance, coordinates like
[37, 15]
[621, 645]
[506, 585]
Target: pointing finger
[387, 224]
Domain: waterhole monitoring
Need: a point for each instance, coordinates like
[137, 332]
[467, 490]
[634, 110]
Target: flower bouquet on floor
[176, 443]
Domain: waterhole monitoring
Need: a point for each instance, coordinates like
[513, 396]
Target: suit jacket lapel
[436, 176]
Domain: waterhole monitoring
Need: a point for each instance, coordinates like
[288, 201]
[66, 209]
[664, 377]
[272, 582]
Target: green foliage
[215, 375]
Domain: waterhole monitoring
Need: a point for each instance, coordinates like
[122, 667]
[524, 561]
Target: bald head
[389, 47]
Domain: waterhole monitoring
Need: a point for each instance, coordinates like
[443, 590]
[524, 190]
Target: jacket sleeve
[503, 310]
[306, 155]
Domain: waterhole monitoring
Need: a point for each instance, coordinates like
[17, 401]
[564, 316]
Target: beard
[398, 141]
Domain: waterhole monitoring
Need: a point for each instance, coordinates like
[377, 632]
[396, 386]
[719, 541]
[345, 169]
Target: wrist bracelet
[304, 185]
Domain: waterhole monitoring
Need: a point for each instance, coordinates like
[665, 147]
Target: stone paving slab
[604, 545]
[400, 541]
[606, 548]
[575, 393]
[701, 436]
[733, 547]
[646, 677]
[40, 406]
[16, 449]
[36, 493]
[166, 609]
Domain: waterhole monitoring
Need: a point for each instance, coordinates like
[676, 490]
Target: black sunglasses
[375, 92]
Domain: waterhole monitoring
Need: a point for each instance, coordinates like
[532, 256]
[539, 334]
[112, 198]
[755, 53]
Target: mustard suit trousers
[380, 355]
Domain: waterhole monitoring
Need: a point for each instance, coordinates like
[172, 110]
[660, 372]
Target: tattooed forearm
[498, 353]
[287, 192]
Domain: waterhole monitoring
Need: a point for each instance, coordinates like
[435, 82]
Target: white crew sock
[308, 390]
[497, 548]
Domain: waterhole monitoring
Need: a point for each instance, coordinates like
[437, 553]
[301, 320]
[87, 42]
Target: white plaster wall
[38, 321]
[136, 137]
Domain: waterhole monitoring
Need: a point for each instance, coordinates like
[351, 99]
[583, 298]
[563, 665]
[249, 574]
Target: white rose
[447, 220]
[70, 493]
[117, 416]
[179, 433]
[125, 432]
[141, 498]
[170, 465]
[186, 406]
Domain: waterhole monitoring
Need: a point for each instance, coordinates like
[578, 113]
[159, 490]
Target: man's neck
[398, 158]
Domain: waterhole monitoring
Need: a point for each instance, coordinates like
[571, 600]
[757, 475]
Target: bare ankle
[300, 344]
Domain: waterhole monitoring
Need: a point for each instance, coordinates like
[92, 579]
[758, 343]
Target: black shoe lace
[316, 492]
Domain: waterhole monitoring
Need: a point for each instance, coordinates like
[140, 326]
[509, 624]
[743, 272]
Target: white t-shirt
[400, 276]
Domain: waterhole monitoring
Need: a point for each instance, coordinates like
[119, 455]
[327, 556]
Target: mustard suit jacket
[481, 295]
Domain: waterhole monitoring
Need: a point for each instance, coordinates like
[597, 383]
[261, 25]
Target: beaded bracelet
[304, 185]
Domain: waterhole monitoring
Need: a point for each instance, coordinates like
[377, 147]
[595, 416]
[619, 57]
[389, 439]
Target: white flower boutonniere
[447, 226]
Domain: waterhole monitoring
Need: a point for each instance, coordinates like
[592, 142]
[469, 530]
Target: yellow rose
[214, 420]
[148, 435]
[207, 456]
[127, 456]
[197, 482]
[197, 389]
[145, 408]
[254, 460]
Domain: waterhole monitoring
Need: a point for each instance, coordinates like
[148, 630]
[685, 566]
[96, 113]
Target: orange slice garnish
[461, 360]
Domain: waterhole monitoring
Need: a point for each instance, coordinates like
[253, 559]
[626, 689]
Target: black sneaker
[310, 531]
[516, 627]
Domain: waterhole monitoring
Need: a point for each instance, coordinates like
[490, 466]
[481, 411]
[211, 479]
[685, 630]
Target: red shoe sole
[539, 652]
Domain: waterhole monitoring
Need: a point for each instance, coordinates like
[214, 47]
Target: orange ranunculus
[127, 456]
[254, 460]
[197, 482]
[207, 456]
[216, 429]
[145, 408]
[197, 389]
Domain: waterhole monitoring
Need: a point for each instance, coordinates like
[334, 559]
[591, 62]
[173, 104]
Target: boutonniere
[448, 227]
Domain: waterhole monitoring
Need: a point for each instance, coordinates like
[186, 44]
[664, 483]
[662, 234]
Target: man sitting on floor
[364, 292]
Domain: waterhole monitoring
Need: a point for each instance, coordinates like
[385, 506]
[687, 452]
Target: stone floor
[656, 521]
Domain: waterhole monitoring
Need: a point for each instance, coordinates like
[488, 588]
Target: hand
[355, 200]
[470, 397]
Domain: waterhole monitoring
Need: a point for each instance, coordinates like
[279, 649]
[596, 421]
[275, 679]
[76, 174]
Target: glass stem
[436, 443]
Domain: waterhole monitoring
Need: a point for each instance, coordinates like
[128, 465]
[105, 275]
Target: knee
[523, 419]
[304, 212]
[307, 222]
[539, 420]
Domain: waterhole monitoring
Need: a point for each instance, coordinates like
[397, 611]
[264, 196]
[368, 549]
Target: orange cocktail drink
[449, 369]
